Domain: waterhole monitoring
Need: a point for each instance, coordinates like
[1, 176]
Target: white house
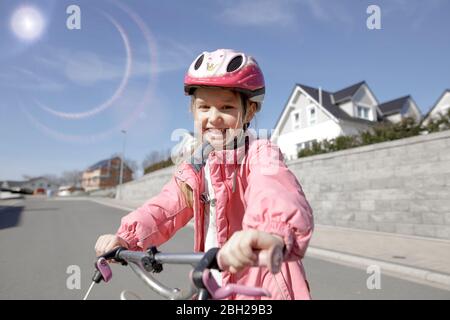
[313, 114]
[397, 109]
[40, 183]
[441, 106]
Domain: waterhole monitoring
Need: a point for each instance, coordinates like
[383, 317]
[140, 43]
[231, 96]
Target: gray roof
[347, 93]
[37, 178]
[393, 106]
[106, 163]
[328, 99]
[100, 164]
[12, 184]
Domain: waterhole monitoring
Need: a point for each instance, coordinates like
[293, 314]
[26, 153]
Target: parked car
[40, 191]
[67, 191]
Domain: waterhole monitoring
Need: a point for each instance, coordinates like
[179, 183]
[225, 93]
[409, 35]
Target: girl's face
[218, 115]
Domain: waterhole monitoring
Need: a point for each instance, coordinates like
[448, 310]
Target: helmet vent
[235, 63]
[199, 61]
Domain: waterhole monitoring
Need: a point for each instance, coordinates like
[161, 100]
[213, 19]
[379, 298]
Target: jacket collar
[232, 154]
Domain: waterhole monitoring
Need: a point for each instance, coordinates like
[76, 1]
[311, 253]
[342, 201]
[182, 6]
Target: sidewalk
[425, 260]
[417, 258]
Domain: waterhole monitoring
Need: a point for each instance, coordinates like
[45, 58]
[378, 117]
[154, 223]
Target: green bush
[158, 166]
[440, 124]
[380, 132]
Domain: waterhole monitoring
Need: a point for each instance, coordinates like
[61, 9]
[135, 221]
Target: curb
[111, 204]
[411, 273]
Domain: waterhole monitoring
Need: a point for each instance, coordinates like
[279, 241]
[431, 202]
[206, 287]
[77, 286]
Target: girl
[237, 187]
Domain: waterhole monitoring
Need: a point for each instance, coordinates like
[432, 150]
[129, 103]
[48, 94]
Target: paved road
[40, 239]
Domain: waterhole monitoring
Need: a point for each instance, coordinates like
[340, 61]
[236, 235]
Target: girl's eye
[228, 107]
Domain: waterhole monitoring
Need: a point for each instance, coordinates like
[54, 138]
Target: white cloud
[22, 78]
[258, 13]
[282, 12]
[328, 11]
[85, 67]
[174, 55]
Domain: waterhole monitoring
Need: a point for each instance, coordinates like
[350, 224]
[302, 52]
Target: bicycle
[203, 284]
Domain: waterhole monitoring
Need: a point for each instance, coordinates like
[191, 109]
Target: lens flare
[27, 23]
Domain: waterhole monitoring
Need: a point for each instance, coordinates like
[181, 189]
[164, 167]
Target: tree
[72, 177]
[155, 157]
[151, 158]
[52, 178]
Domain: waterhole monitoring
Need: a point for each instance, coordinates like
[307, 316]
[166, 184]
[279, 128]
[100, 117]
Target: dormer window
[363, 112]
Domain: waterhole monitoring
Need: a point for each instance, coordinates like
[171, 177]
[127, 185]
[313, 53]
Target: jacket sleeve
[275, 200]
[157, 220]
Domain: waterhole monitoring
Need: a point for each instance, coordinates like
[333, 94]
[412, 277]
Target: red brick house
[105, 174]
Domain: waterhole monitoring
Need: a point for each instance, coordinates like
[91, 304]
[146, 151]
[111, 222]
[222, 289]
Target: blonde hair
[188, 194]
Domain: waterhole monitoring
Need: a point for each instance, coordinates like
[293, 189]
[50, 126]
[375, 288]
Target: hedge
[380, 132]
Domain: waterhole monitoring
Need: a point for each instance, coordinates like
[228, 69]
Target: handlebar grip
[271, 258]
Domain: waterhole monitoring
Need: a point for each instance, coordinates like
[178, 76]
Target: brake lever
[102, 272]
[102, 268]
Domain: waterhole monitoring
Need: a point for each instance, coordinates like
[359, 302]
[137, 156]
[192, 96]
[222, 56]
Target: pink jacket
[267, 197]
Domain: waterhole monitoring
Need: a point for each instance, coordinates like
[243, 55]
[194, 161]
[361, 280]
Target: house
[441, 106]
[38, 185]
[395, 110]
[8, 185]
[105, 174]
[312, 114]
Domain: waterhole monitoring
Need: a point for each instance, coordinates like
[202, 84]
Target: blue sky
[66, 96]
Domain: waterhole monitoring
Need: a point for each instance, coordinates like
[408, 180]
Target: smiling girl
[237, 187]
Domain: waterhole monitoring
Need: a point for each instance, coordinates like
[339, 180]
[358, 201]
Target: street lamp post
[121, 163]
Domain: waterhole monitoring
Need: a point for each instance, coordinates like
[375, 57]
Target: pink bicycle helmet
[226, 68]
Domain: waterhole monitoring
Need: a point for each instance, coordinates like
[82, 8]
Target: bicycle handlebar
[142, 263]
[146, 261]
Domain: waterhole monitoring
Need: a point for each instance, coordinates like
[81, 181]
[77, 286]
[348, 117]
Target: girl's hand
[108, 242]
[238, 251]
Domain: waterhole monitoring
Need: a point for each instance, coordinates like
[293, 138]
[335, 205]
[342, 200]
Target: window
[363, 112]
[296, 120]
[305, 145]
[312, 115]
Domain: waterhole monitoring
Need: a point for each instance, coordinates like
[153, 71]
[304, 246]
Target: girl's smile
[218, 115]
